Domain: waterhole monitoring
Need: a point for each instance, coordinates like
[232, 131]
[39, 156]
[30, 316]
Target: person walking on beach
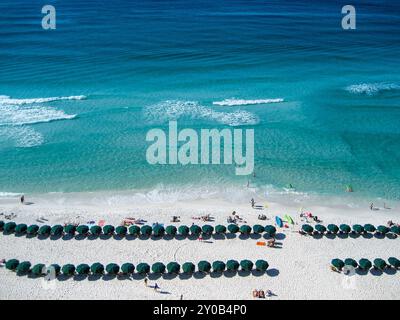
[181, 298]
[22, 199]
[156, 287]
[252, 202]
[145, 282]
[371, 206]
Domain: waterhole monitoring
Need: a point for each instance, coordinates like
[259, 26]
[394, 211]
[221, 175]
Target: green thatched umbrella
[1, 225]
[127, 268]
[364, 264]
[383, 229]
[307, 228]
[70, 229]
[12, 264]
[232, 265]
[218, 266]
[173, 267]
[82, 230]
[39, 269]
[158, 230]
[257, 229]
[350, 262]
[246, 265]
[345, 228]
[380, 264]
[9, 227]
[220, 229]
[183, 230]
[23, 267]
[55, 267]
[108, 230]
[95, 230]
[57, 230]
[333, 228]
[204, 266]
[83, 269]
[134, 230]
[146, 231]
[195, 230]
[44, 230]
[395, 229]
[32, 229]
[320, 228]
[112, 268]
[207, 229]
[338, 264]
[357, 228]
[233, 228]
[121, 231]
[262, 265]
[21, 228]
[270, 230]
[97, 268]
[68, 269]
[369, 228]
[158, 267]
[188, 267]
[245, 229]
[394, 262]
[143, 268]
[171, 230]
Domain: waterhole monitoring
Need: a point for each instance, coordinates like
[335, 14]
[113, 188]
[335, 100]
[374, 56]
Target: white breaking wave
[9, 194]
[242, 102]
[175, 110]
[372, 88]
[6, 100]
[16, 115]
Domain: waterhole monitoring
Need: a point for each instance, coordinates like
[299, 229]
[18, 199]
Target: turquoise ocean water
[76, 102]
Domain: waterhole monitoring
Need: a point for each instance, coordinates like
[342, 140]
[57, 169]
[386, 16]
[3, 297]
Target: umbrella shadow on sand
[280, 236]
[390, 271]
[376, 272]
[199, 275]
[80, 277]
[272, 272]
[138, 276]
[367, 235]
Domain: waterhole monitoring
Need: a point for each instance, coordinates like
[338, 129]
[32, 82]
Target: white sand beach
[299, 268]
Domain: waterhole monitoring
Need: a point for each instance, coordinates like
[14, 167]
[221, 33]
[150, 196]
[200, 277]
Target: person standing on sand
[181, 298]
[22, 199]
[371, 206]
[145, 282]
[156, 287]
[252, 202]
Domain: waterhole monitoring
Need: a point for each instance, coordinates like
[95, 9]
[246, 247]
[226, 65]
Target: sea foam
[371, 89]
[17, 114]
[175, 110]
[22, 136]
[242, 102]
[6, 100]
[21, 115]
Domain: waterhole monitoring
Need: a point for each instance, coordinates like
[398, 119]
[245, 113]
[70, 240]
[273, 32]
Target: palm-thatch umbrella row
[365, 264]
[346, 229]
[146, 230]
[97, 268]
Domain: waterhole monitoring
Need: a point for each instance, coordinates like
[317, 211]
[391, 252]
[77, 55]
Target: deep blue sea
[76, 102]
